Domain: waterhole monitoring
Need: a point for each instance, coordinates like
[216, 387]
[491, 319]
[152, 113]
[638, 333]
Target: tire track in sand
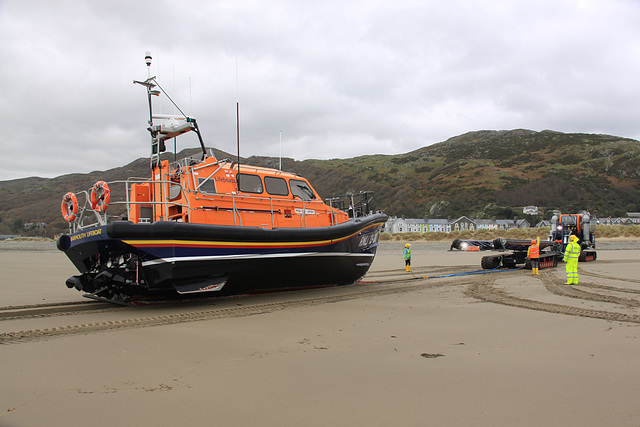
[485, 291]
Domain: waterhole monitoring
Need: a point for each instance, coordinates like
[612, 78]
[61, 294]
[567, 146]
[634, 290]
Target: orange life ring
[69, 207]
[100, 196]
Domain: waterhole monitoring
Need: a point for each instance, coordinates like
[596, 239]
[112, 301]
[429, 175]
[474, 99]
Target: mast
[235, 33]
[160, 133]
[238, 123]
[280, 163]
[238, 138]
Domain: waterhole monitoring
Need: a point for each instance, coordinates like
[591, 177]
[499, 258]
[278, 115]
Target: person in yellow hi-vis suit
[571, 255]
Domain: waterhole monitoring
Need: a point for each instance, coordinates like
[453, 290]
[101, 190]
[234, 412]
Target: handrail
[250, 203]
[101, 217]
[78, 223]
[271, 209]
[235, 210]
[164, 200]
[304, 214]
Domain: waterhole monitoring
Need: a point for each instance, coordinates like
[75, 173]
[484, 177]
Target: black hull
[123, 259]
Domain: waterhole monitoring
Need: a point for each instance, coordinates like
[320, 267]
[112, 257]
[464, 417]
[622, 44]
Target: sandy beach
[398, 348]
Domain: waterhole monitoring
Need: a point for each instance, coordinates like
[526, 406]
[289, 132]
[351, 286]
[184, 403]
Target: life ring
[100, 196]
[69, 207]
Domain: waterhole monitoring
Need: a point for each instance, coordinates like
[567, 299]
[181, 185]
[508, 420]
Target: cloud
[338, 79]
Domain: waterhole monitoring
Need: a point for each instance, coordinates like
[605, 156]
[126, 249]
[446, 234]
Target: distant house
[505, 224]
[416, 225]
[386, 226]
[37, 225]
[393, 224]
[486, 224]
[619, 221]
[508, 224]
[396, 225]
[463, 223]
[530, 210]
[435, 225]
[634, 217]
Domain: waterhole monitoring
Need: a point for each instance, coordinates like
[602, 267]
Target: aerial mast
[160, 133]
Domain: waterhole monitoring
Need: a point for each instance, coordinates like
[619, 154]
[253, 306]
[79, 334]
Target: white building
[435, 225]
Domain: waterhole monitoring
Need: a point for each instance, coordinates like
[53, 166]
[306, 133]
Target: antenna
[147, 59]
[237, 105]
[237, 126]
[174, 83]
[280, 167]
[161, 133]
[238, 132]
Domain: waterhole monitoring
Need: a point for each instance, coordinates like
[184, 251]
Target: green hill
[489, 174]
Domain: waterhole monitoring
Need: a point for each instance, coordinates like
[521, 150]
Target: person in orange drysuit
[534, 256]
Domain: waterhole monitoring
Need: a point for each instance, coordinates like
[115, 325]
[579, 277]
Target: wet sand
[432, 354]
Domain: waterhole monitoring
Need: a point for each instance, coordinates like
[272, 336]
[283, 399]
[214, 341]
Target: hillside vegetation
[483, 174]
[490, 174]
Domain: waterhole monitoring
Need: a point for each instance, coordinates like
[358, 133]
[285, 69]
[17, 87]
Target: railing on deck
[355, 205]
[85, 210]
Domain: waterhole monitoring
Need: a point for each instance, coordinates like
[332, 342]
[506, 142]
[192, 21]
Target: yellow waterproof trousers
[572, 272]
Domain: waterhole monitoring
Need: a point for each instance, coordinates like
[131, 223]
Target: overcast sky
[338, 78]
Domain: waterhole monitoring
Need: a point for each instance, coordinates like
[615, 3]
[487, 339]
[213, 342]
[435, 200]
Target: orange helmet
[533, 242]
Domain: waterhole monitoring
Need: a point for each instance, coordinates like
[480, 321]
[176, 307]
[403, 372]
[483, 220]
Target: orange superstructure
[214, 192]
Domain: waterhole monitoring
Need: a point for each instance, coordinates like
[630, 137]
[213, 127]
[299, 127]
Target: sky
[313, 79]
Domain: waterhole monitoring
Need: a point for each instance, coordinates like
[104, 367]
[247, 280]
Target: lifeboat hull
[123, 259]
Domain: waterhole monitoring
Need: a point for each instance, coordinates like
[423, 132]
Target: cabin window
[249, 183]
[145, 213]
[301, 189]
[276, 186]
[209, 186]
[174, 191]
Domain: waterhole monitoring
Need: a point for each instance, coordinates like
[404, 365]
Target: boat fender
[100, 196]
[63, 243]
[69, 207]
